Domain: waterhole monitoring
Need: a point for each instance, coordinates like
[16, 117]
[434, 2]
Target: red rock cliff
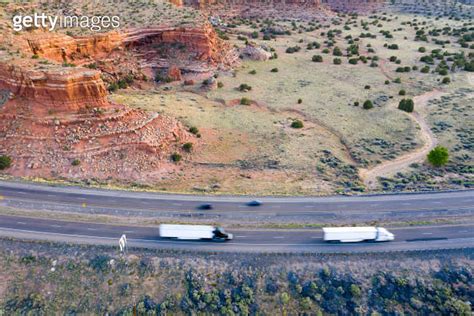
[58, 89]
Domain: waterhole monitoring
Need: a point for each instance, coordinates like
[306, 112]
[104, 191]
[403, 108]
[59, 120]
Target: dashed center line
[88, 228]
[21, 223]
[54, 225]
[278, 237]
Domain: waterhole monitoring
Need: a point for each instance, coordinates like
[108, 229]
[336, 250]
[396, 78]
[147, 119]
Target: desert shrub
[300, 101]
[253, 72]
[76, 162]
[337, 61]
[402, 92]
[100, 263]
[220, 84]
[244, 87]
[194, 130]
[422, 49]
[5, 162]
[245, 101]
[175, 157]
[393, 46]
[337, 51]
[425, 69]
[446, 80]
[317, 59]
[293, 49]
[438, 156]
[274, 70]
[368, 105]
[297, 124]
[353, 61]
[406, 105]
[188, 147]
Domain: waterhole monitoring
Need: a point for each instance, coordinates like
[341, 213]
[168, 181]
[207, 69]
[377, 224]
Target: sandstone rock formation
[58, 123]
[253, 52]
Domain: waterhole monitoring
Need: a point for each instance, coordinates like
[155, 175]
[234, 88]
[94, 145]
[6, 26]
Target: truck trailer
[194, 232]
[357, 234]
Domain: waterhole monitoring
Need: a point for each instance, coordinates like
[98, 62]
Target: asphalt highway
[457, 201]
[414, 238]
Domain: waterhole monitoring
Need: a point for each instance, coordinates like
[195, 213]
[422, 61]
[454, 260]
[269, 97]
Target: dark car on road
[254, 203]
[205, 206]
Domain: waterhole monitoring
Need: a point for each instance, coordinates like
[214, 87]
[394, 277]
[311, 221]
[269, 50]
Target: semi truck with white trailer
[194, 232]
[357, 234]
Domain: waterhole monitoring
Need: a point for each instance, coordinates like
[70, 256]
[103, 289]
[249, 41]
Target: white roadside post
[123, 243]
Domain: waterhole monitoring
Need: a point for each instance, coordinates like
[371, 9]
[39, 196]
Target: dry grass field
[253, 148]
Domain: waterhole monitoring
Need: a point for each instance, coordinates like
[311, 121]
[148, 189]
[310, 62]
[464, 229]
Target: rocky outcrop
[254, 52]
[60, 89]
[60, 124]
[199, 43]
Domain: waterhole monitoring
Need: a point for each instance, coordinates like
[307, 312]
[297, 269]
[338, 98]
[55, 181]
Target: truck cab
[220, 234]
[384, 235]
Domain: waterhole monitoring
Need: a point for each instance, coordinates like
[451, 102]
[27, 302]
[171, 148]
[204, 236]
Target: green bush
[297, 124]
[194, 130]
[446, 80]
[438, 156]
[402, 92]
[175, 157]
[274, 70]
[5, 162]
[76, 162]
[244, 87]
[188, 147]
[337, 51]
[368, 105]
[337, 61]
[317, 59]
[406, 105]
[245, 101]
[353, 61]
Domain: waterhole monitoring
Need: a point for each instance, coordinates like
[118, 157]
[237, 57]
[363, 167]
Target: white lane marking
[427, 233]
[315, 237]
[129, 231]
[242, 206]
[240, 236]
[88, 228]
[406, 203]
[308, 206]
[50, 195]
[177, 204]
[373, 205]
[278, 237]
[22, 223]
[20, 192]
[276, 206]
[464, 231]
[436, 202]
[82, 198]
[54, 225]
